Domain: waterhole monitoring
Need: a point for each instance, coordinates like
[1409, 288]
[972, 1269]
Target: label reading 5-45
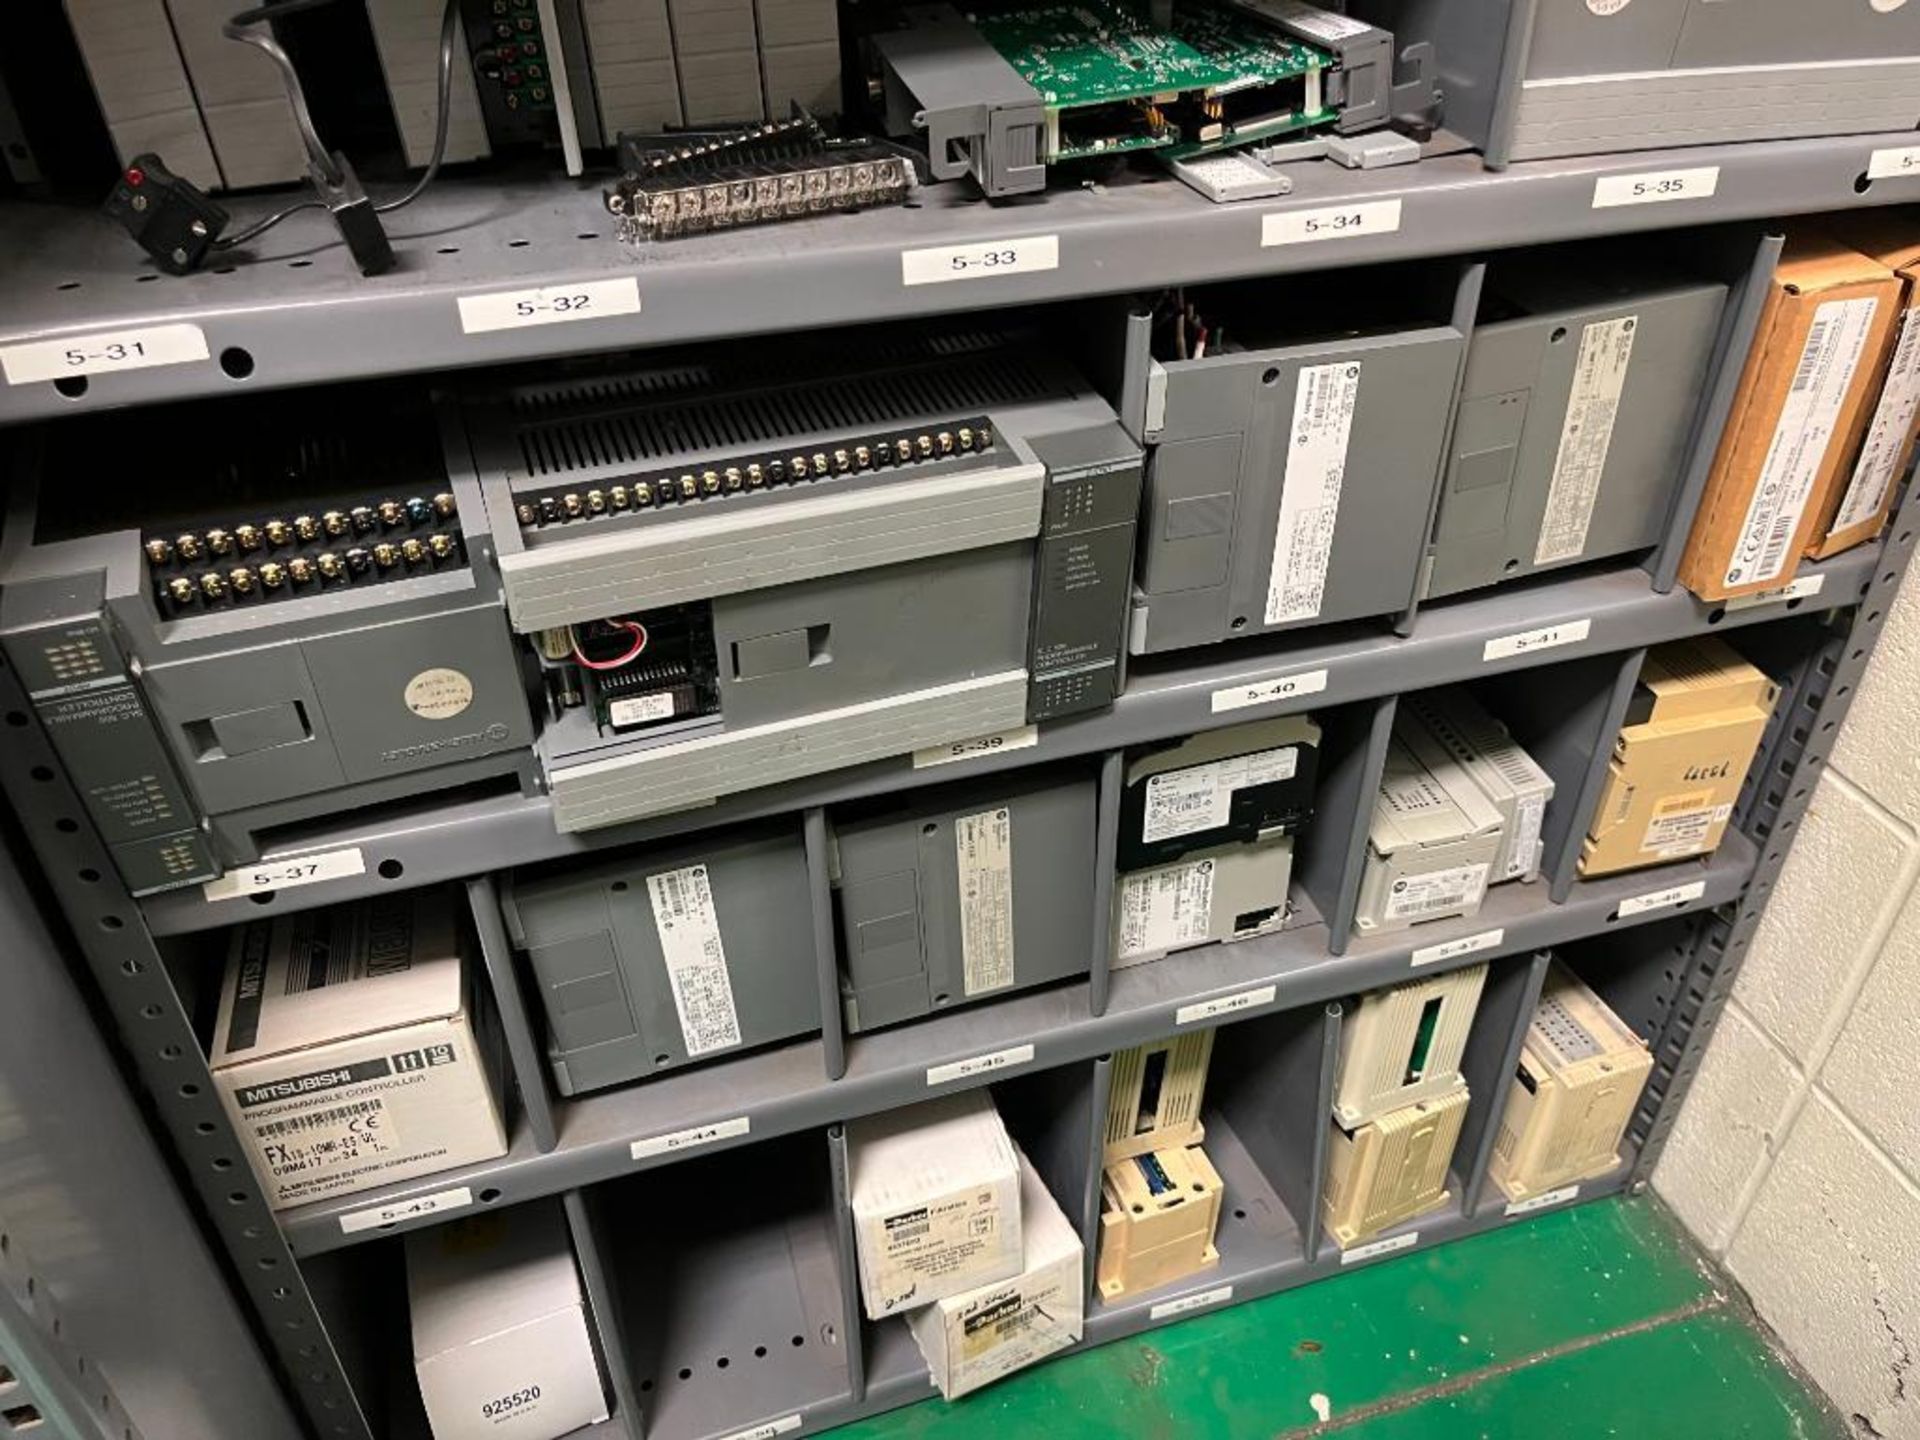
[1017, 256]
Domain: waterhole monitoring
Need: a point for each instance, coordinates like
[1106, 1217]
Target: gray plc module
[1433, 841]
[284, 622]
[1510, 779]
[670, 956]
[963, 893]
[1231, 892]
[1287, 484]
[1573, 422]
[738, 569]
[1239, 783]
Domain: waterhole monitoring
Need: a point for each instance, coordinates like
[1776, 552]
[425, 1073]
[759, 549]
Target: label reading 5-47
[1017, 256]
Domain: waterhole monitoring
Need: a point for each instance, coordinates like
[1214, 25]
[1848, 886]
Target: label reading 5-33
[1016, 256]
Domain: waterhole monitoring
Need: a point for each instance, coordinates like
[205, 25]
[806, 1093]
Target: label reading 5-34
[1017, 256]
[1334, 222]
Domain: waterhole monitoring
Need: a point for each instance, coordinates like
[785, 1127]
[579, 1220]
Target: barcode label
[689, 931]
[1835, 343]
[1165, 909]
[1200, 797]
[983, 855]
[300, 1149]
[1586, 435]
[1420, 897]
[314, 1120]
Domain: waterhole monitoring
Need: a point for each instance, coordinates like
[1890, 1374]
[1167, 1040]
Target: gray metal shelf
[785, 1090]
[295, 312]
[1448, 644]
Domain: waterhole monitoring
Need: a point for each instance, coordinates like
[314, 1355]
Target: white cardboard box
[500, 1337]
[345, 1051]
[974, 1338]
[936, 1201]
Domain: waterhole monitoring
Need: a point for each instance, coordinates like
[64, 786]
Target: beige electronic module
[1391, 1169]
[1154, 1100]
[1158, 1213]
[1433, 841]
[1581, 1072]
[1405, 1044]
[1511, 780]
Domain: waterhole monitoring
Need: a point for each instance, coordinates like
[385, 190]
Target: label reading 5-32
[549, 305]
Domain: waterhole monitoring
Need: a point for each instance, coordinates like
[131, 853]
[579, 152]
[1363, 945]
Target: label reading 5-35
[1655, 186]
[107, 351]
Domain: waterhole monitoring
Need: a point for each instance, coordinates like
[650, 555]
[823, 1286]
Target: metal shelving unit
[777, 1280]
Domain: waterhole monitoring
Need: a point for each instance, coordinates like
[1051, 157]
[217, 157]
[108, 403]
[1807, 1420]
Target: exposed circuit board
[1114, 82]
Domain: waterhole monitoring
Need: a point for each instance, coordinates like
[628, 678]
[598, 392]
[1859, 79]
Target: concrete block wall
[1797, 1157]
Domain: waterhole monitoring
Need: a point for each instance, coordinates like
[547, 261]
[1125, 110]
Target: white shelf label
[1651, 187]
[1661, 899]
[690, 1139]
[286, 872]
[1225, 1005]
[1454, 949]
[785, 1425]
[375, 1216]
[1793, 590]
[1023, 738]
[1268, 692]
[980, 1065]
[1166, 1309]
[1379, 1247]
[1332, 222]
[1526, 642]
[1019, 256]
[1892, 164]
[1545, 1200]
[549, 305]
[103, 353]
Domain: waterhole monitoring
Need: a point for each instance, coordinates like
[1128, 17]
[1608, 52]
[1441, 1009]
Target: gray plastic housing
[1362, 86]
[1556, 458]
[962, 893]
[616, 1010]
[1224, 449]
[939, 79]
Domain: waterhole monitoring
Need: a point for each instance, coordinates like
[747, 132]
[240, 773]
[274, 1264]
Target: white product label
[1683, 829]
[1167, 1309]
[1654, 186]
[1334, 222]
[1661, 899]
[1886, 442]
[766, 1430]
[691, 1139]
[549, 305]
[1586, 434]
[1268, 692]
[1225, 1005]
[1797, 589]
[438, 694]
[1892, 164]
[1164, 909]
[1547, 637]
[108, 351]
[302, 1144]
[1310, 498]
[983, 848]
[1379, 1247]
[1023, 738]
[1454, 949]
[1545, 1200]
[979, 1065]
[1413, 897]
[689, 933]
[1527, 816]
[286, 872]
[1200, 797]
[1019, 256]
[1606, 7]
[929, 1241]
[641, 709]
[376, 1216]
[1835, 343]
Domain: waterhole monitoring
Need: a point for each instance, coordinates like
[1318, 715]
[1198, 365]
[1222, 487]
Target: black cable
[448, 31]
[228, 242]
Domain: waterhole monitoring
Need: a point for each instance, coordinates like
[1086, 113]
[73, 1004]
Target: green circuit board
[1114, 82]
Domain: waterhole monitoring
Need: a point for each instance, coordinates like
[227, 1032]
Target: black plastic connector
[169, 217]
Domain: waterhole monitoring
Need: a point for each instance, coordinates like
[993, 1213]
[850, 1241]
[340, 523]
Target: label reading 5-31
[106, 351]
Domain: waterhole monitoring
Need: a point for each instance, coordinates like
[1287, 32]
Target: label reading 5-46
[1017, 256]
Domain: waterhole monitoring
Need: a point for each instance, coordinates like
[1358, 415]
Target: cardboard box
[1884, 437]
[1391, 1168]
[976, 1337]
[935, 1190]
[501, 1345]
[1692, 727]
[1158, 1214]
[1808, 378]
[1580, 1077]
[345, 1049]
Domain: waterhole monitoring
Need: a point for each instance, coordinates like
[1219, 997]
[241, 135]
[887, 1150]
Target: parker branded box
[345, 1049]
[935, 1190]
[973, 1338]
[1883, 438]
[1692, 726]
[500, 1337]
[1808, 378]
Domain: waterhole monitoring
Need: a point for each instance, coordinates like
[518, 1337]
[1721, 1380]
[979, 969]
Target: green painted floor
[1594, 1321]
